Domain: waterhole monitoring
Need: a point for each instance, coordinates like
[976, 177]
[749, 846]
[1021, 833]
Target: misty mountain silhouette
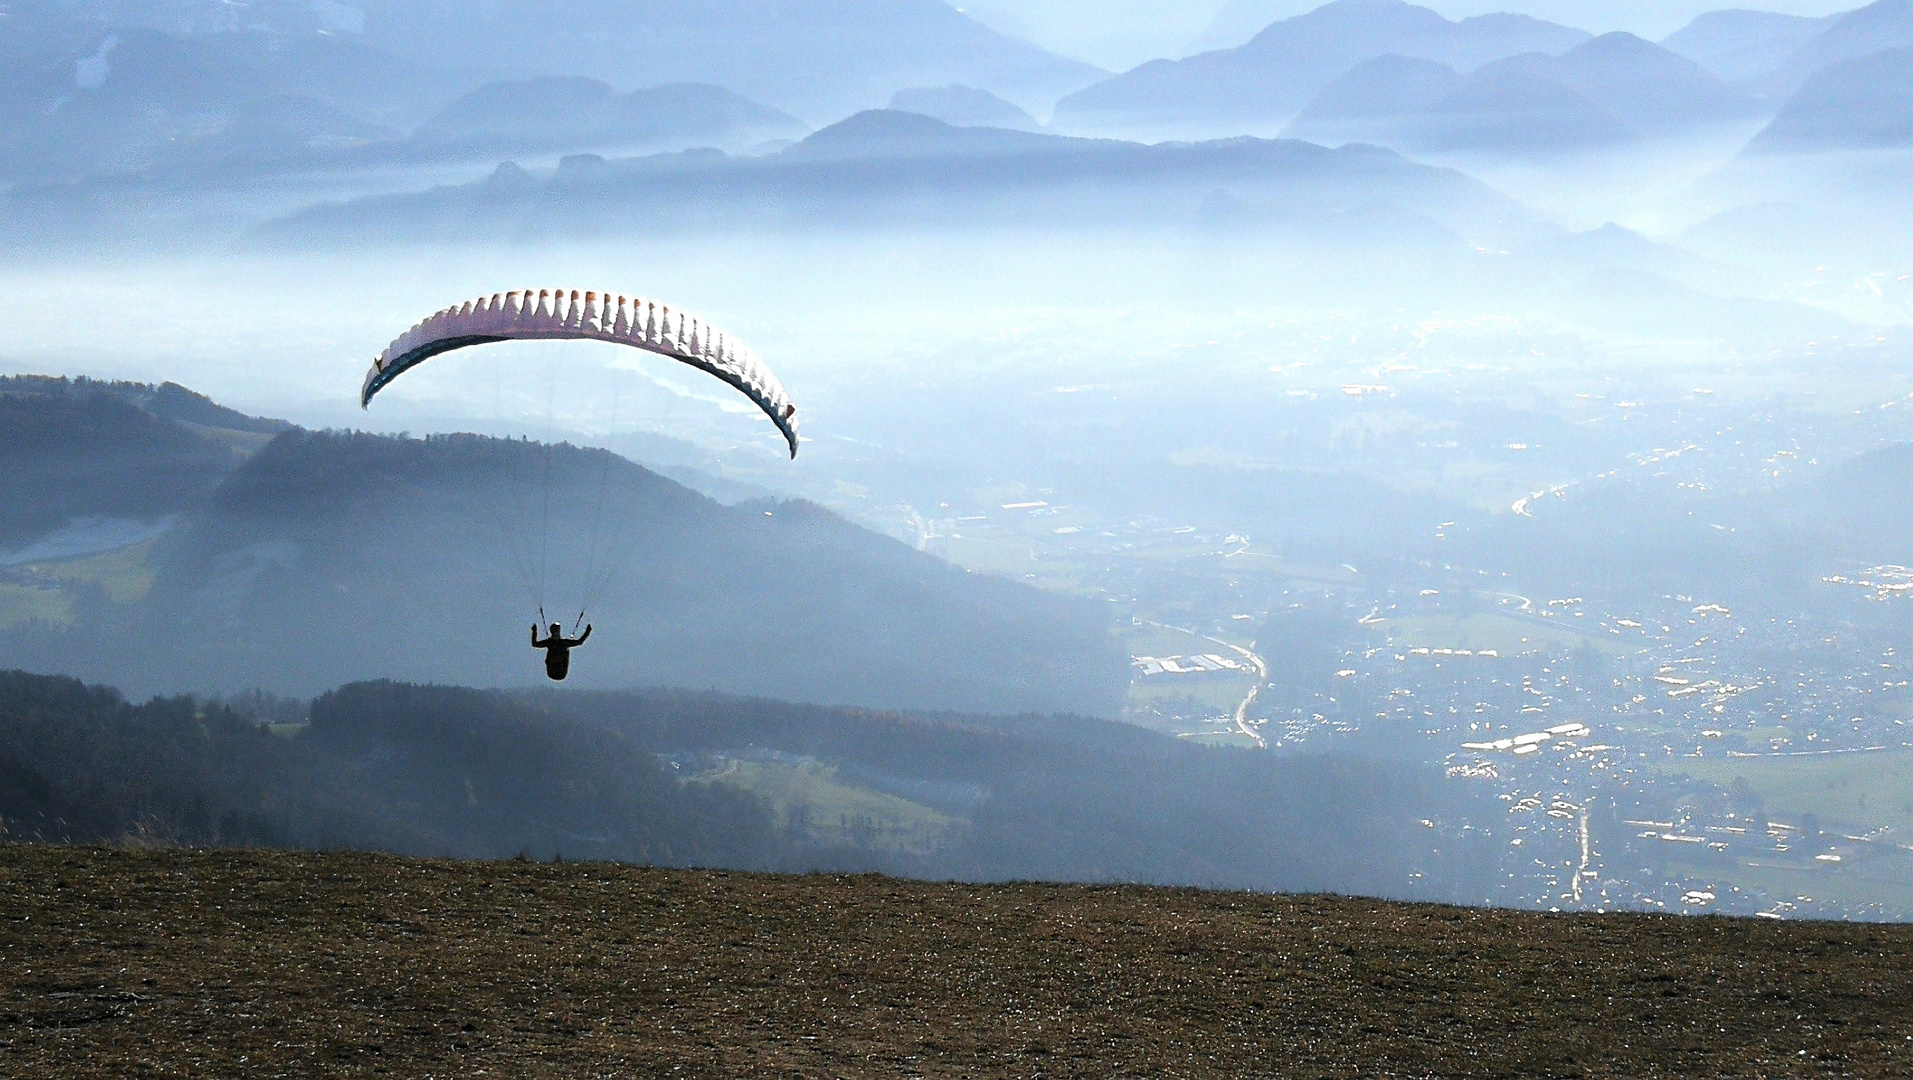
[1858, 104]
[1642, 83]
[277, 130]
[132, 98]
[1601, 92]
[1625, 299]
[346, 72]
[1739, 46]
[1383, 90]
[964, 106]
[884, 166]
[108, 87]
[578, 114]
[1236, 22]
[1272, 77]
[792, 56]
[1614, 247]
[1861, 498]
[129, 96]
[1875, 28]
[882, 134]
[889, 133]
[1420, 105]
[1857, 508]
[1510, 108]
[1744, 547]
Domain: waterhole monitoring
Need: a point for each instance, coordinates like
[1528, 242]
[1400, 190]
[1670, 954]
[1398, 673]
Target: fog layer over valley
[1488, 433]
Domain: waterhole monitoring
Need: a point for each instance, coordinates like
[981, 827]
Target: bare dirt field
[251, 963]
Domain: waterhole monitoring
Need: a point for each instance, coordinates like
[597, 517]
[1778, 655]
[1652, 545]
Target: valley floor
[254, 963]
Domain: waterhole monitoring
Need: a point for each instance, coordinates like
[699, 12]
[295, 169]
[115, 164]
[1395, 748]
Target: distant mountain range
[1740, 547]
[138, 100]
[1860, 104]
[1643, 84]
[202, 91]
[135, 98]
[1875, 28]
[1739, 46]
[103, 85]
[963, 106]
[1268, 80]
[576, 114]
[1615, 88]
[1388, 72]
[818, 59]
[1237, 21]
[884, 167]
[298, 559]
[1855, 509]
[1422, 105]
[821, 59]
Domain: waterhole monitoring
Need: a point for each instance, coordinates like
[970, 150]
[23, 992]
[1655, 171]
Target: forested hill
[80, 763]
[170, 545]
[330, 557]
[674, 777]
[81, 448]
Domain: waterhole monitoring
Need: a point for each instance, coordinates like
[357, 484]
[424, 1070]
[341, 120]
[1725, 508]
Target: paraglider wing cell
[561, 315]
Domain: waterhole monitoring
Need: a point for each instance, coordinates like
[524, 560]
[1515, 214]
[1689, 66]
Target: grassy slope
[1849, 793]
[1862, 790]
[833, 812]
[175, 963]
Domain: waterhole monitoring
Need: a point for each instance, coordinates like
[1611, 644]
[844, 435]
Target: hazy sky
[1119, 34]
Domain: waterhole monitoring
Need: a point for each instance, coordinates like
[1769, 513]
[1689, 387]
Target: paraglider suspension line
[509, 519]
[597, 578]
[541, 557]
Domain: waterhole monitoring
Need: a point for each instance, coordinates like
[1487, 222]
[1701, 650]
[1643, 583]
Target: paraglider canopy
[555, 314]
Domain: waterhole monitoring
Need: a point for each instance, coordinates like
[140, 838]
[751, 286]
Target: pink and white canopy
[560, 315]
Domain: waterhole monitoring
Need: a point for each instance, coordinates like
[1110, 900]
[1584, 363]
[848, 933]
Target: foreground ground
[187, 963]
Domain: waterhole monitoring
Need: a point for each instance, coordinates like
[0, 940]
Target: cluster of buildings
[1188, 665]
[1530, 743]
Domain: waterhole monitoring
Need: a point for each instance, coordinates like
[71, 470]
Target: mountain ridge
[579, 114]
[780, 54]
[1865, 103]
[1740, 45]
[1854, 35]
[1272, 76]
[1612, 90]
[883, 166]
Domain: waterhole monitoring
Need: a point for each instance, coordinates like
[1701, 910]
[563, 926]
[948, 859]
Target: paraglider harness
[557, 646]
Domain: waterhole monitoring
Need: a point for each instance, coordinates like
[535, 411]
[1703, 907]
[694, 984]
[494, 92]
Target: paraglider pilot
[558, 649]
